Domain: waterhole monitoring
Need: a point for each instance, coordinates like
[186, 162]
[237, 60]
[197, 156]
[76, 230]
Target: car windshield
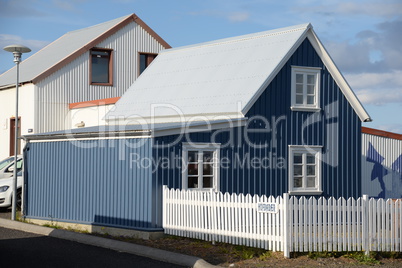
[6, 161]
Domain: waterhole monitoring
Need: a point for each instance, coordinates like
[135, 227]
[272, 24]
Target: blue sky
[363, 37]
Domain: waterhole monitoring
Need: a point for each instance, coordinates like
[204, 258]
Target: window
[145, 60]
[6, 161]
[101, 70]
[305, 169]
[10, 169]
[305, 88]
[201, 166]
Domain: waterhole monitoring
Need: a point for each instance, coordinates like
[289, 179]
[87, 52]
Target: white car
[7, 188]
[7, 166]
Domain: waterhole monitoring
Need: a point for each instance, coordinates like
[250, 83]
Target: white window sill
[305, 192]
[305, 109]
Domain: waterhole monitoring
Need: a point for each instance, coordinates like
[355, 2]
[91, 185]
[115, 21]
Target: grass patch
[265, 256]
[246, 253]
[52, 225]
[362, 258]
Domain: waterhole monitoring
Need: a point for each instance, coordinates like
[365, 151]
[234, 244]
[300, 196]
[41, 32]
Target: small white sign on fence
[267, 208]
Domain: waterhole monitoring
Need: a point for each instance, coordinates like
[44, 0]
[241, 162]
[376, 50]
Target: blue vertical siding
[91, 182]
[336, 127]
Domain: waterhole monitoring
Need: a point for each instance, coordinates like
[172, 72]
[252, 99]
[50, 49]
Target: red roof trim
[381, 133]
[92, 103]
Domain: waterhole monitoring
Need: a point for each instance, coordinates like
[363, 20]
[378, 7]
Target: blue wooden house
[267, 113]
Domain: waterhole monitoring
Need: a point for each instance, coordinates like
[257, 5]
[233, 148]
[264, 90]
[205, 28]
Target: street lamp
[17, 51]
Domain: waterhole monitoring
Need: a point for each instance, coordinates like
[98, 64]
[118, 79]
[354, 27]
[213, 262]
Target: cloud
[377, 88]
[235, 16]
[19, 8]
[64, 5]
[376, 50]
[8, 39]
[384, 9]
[396, 128]
[381, 9]
[238, 16]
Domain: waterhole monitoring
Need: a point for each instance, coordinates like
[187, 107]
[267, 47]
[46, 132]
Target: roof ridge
[245, 37]
[99, 24]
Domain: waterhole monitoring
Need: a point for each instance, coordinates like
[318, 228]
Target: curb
[144, 251]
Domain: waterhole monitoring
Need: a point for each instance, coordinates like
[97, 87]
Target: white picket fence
[288, 224]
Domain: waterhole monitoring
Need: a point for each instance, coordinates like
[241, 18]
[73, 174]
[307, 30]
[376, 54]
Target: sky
[363, 37]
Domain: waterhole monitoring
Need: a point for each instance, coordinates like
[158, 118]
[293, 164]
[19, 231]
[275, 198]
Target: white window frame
[201, 147]
[312, 149]
[306, 71]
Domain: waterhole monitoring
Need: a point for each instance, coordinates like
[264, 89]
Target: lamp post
[17, 51]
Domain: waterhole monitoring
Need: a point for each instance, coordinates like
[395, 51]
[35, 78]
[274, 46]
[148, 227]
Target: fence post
[164, 206]
[286, 223]
[365, 225]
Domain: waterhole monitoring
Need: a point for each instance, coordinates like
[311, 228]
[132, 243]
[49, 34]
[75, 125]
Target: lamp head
[17, 51]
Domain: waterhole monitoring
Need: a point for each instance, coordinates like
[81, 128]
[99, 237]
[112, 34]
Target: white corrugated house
[381, 163]
[77, 78]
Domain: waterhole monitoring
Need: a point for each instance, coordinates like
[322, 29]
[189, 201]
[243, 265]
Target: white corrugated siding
[71, 83]
[387, 152]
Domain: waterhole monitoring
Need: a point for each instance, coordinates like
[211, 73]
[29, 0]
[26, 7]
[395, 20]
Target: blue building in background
[267, 113]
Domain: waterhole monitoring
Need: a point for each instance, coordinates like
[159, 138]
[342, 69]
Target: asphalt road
[22, 249]
[5, 213]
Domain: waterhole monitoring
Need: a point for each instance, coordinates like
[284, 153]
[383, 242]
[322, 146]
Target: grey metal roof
[223, 77]
[57, 51]
[213, 77]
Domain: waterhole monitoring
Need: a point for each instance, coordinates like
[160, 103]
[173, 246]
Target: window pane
[208, 169]
[297, 158]
[298, 170]
[208, 157]
[299, 88]
[310, 170]
[299, 78]
[143, 62]
[310, 79]
[192, 156]
[297, 182]
[192, 169]
[311, 182]
[100, 66]
[310, 159]
[310, 89]
[310, 99]
[207, 182]
[299, 99]
[192, 182]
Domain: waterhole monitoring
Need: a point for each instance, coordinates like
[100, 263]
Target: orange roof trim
[381, 133]
[92, 103]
